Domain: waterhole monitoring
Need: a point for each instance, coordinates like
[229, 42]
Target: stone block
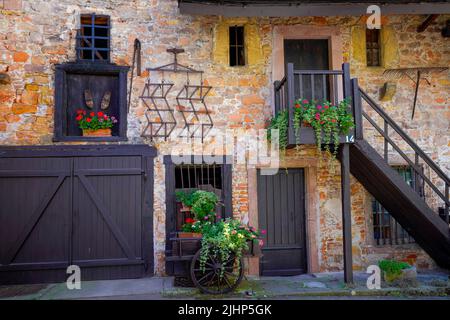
[20, 108]
[20, 56]
[12, 4]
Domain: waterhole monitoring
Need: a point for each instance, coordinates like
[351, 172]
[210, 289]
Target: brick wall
[35, 35]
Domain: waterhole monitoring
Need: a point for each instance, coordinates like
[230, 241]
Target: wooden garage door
[92, 211]
[281, 212]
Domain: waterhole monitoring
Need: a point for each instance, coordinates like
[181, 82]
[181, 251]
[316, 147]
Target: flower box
[97, 133]
[186, 244]
[188, 235]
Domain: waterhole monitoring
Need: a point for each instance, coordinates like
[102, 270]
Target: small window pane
[373, 47]
[233, 56]
[89, 46]
[386, 230]
[237, 47]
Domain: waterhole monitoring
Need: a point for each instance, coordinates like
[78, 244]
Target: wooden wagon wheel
[212, 280]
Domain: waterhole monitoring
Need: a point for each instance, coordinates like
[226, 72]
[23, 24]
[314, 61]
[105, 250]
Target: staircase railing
[419, 155]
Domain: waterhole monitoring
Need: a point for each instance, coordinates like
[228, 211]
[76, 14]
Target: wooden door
[107, 217]
[35, 212]
[309, 54]
[281, 212]
[75, 205]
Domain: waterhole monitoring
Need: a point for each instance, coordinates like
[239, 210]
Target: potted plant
[202, 204]
[95, 124]
[185, 198]
[398, 272]
[225, 238]
[327, 120]
[189, 229]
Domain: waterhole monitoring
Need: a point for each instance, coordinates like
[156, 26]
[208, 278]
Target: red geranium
[89, 119]
[100, 114]
[92, 114]
[189, 220]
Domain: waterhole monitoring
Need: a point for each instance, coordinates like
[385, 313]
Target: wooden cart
[218, 277]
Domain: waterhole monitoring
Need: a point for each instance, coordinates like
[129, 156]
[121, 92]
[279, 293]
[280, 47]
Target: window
[373, 47]
[93, 39]
[385, 229]
[237, 54]
[189, 178]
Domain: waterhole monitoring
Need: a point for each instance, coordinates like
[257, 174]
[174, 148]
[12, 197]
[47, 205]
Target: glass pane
[233, 56]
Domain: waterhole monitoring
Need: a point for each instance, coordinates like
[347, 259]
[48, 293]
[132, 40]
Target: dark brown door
[281, 212]
[307, 54]
[90, 211]
[35, 210]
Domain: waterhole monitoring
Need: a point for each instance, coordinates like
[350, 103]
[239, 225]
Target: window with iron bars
[189, 178]
[94, 38]
[386, 230]
[373, 47]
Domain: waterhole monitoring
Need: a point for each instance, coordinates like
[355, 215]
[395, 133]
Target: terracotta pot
[185, 235]
[306, 124]
[97, 133]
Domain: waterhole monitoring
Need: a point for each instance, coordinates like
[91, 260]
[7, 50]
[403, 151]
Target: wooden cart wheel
[210, 280]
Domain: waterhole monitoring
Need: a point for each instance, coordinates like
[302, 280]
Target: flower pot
[97, 133]
[306, 124]
[186, 235]
[407, 278]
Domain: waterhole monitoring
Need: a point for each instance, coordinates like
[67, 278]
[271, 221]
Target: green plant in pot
[225, 238]
[327, 120]
[185, 198]
[392, 269]
[202, 204]
[280, 122]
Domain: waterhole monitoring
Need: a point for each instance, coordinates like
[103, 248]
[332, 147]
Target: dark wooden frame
[146, 152]
[299, 8]
[227, 168]
[61, 98]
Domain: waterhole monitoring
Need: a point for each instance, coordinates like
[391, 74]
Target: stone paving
[308, 286]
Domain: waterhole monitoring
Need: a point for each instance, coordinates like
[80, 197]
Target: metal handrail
[321, 72]
[405, 137]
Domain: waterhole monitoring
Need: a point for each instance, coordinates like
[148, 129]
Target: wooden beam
[427, 22]
[346, 213]
[308, 9]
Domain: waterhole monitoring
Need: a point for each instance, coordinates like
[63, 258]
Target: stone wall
[35, 35]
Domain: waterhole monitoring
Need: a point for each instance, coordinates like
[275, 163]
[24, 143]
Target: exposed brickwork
[35, 35]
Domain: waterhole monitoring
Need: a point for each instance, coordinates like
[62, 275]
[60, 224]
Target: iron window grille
[386, 230]
[94, 38]
[192, 177]
[237, 46]
[373, 47]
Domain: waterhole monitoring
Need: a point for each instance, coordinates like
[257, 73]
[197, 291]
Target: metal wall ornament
[190, 103]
